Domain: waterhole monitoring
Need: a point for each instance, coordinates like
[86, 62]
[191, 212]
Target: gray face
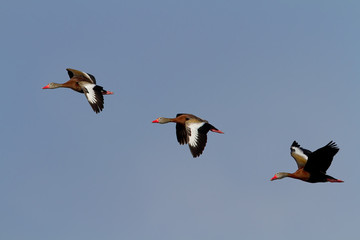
[161, 120]
[54, 85]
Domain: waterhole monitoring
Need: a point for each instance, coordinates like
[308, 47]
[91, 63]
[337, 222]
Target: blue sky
[264, 72]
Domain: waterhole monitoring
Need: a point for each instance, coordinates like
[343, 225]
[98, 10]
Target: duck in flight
[312, 166]
[190, 130]
[84, 83]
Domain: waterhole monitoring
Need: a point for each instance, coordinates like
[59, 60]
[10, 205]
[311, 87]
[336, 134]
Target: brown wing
[81, 75]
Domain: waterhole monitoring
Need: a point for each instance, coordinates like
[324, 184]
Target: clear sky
[264, 72]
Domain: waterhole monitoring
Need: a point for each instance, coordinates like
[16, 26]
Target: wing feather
[181, 133]
[300, 154]
[321, 159]
[76, 73]
[94, 95]
[196, 138]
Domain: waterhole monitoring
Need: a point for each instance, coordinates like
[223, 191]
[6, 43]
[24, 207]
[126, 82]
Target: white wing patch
[90, 94]
[193, 137]
[299, 156]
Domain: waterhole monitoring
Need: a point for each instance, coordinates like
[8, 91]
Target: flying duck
[83, 82]
[312, 166]
[190, 130]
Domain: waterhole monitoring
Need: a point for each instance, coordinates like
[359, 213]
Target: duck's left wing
[300, 154]
[94, 95]
[197, 137]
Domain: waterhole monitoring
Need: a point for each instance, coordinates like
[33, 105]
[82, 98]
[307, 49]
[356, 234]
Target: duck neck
[57, 85]
[283, 175]
[166, 120]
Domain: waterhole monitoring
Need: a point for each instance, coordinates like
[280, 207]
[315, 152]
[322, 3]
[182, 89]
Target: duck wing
[181, 133]
[197, 137]
[94, 95]
[300, 154]
[320, 160]
[86, 76]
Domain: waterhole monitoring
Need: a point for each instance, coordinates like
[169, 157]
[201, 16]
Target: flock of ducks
[192, 130]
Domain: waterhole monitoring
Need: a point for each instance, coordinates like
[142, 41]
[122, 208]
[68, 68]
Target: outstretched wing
[197, 137]
[320, 160]
[94, 95]
[300, 154]
[76, 73]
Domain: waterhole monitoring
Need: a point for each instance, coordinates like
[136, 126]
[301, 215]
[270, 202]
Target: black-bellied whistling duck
[312, 166]
[83, 82]
[190, 130]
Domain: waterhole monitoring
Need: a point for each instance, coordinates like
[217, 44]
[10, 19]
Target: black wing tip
[333, 145]
[70, 73]
[97, 110]
[182, 141]
[92, 77]
[98, 107]
[196, 152]
[295, 144]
